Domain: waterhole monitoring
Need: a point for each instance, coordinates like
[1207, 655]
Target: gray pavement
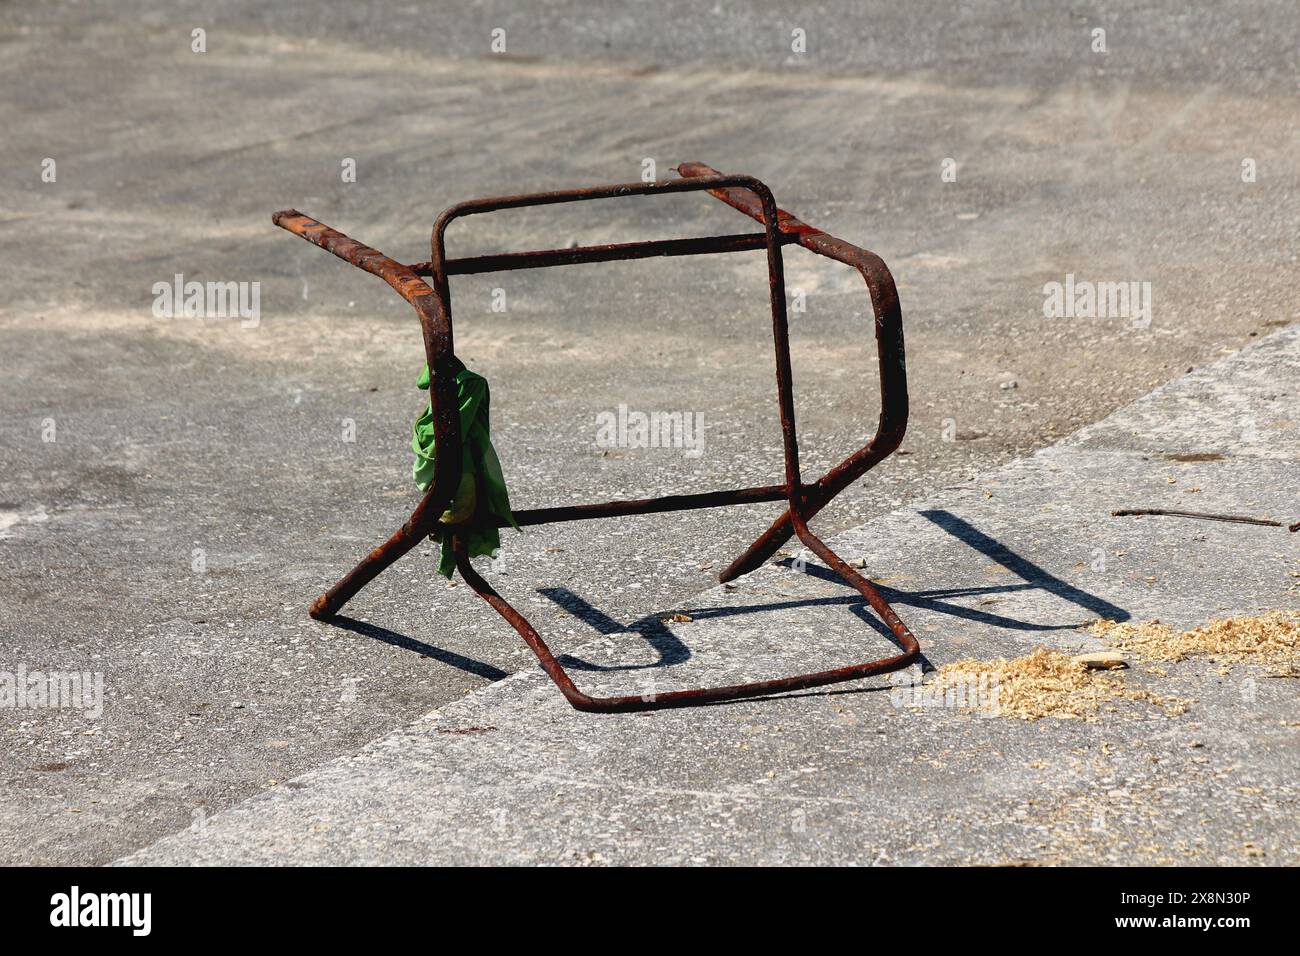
[1017, 559]
[174, 492]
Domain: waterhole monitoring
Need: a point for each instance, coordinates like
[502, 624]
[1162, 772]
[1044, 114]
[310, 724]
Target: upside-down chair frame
[432, 302]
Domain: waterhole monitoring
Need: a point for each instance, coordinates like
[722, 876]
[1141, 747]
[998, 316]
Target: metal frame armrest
[439, 353]
[889, 347]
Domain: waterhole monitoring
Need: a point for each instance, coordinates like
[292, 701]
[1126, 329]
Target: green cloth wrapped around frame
[481, 495]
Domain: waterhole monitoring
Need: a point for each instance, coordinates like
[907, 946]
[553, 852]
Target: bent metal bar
[432, 302]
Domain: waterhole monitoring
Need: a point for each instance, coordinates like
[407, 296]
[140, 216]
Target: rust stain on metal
[432, 302]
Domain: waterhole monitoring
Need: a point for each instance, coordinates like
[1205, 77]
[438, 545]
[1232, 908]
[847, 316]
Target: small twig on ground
[1123, 512]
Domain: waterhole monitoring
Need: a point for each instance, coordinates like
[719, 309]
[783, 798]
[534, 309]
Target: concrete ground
[1018, 559]
[198, 492]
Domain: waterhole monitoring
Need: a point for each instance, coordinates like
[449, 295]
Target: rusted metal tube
[402, 278]
[646, 506]
[613, 252]
[680, 698]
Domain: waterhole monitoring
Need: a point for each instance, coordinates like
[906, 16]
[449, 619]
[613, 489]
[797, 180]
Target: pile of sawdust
[1048, 683]
[1271, 639]
[1043, 683]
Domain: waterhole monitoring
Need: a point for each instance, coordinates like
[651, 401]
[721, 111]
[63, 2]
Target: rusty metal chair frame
[432, 302]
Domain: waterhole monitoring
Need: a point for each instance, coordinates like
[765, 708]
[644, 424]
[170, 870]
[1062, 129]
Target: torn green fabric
[482, 491]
